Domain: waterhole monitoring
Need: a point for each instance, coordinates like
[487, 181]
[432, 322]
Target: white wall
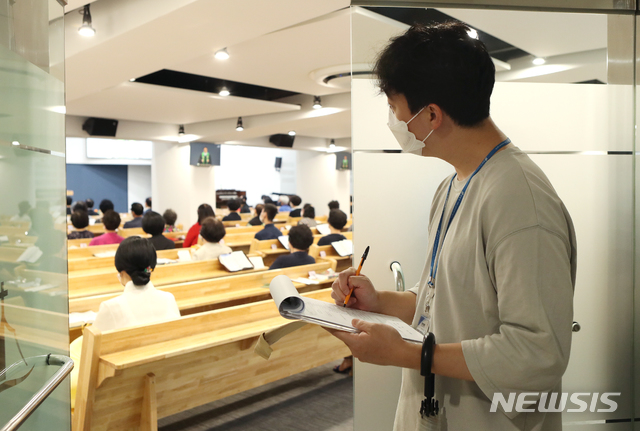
[318, 182]
[177, 185]
[138, 183]
[252, 169]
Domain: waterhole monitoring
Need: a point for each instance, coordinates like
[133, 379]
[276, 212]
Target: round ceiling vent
[340, 76]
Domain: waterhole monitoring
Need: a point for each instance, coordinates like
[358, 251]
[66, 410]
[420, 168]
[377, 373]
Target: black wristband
[428, 346]
[429, 406]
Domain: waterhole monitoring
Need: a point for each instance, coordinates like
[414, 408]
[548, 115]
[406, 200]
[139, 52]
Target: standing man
[497, 286]
[205, 158]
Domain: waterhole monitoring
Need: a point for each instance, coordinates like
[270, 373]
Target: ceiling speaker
[100, 127]
[282, 140]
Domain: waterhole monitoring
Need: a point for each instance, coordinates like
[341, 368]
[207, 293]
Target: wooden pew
[269, 249]
[104, 280]
[130, 378]
[212, 294]
[330, 253]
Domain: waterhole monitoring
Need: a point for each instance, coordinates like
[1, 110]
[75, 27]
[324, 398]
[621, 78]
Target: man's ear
[436, 115]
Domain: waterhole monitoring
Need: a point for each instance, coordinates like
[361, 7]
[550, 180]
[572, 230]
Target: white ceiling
[279, 44]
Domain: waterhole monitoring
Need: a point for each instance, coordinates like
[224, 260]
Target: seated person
[80, 206]
[270, 231]
[23, 212]
[295, 206]
[147, 205]
[136, 212]
[140, 303]
[245, 209]
[204, 211]
[105, 205]
[334, 205]
[90, 209]
[111, 221]
[69, 201]
[212, 231]
[308, 216]
[284, 203]
[337, 221]
[300, 239]
[256, 220]
[153, 224]
[80, 221]
[234, 208]
[170, 218]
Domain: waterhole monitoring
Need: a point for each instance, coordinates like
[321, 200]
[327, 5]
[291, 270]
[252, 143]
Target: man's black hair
[111, 220]
[271, 211]
[80, 219]
[89, 203]
[137, 208]
[148, 202]
[106, 205]
[137, 257]
[300, 237]
[212, 229]
[337, 219]
[295, 200]
[153, 223]
[334, 205]
[80, 206]
[234, 204]
[439, 64]
[69, 200]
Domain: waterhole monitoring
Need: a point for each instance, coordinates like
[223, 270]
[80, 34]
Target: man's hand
[380, 344]
[364, 295]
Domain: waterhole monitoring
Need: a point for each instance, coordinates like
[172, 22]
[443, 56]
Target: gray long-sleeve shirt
[504, 289]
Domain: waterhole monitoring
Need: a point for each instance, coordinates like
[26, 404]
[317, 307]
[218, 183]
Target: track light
[86, 29]
[15, 143]
[224, 92]
[181, 130]
[332, 145]
[317, 104]
[538, 61]
[292, 133]
[239, 127]
[472, 33]
[222, 54]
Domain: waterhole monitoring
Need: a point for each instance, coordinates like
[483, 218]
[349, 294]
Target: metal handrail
[66, 365]
[398, 275]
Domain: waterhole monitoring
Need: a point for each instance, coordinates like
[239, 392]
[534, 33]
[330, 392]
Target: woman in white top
[139, 304]
[212, 231]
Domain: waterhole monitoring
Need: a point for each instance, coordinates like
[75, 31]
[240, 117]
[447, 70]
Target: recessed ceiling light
[317, 104]
[86, 29]
[224, 92]
[239, 127]
[539, 61]
[292, 133]
[472, 33]
[222, 54]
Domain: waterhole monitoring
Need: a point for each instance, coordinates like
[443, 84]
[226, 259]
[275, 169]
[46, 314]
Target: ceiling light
[317, 104]
[132, 80]
[222, 54]
[85, 29]
[472, 33]
[224, 92]
[15, 143]
[292, 133]
[332, 145]
[181, 130]
[538, 61]
[239, 127]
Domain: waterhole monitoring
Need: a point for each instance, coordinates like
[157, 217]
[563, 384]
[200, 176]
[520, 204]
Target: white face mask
[407, 140]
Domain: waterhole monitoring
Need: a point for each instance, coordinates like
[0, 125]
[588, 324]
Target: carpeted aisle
[317, 400]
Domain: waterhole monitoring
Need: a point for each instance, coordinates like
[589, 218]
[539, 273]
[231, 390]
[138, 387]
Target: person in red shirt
[204, 211]
[111, 221]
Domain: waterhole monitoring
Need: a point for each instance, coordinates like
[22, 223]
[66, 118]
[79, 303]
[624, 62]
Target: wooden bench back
[104, 280]
[196, 296]
[131, 377]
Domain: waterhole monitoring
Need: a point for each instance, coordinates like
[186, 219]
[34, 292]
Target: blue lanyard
[434, 263]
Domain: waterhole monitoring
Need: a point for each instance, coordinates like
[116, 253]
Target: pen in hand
[364, 256]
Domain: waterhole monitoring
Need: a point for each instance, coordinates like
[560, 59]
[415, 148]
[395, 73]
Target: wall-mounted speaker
[278, 163]
[100, 127]
[282, 140]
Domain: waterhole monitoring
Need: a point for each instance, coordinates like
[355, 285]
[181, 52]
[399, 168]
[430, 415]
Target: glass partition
[33, 264]
[574, 115]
